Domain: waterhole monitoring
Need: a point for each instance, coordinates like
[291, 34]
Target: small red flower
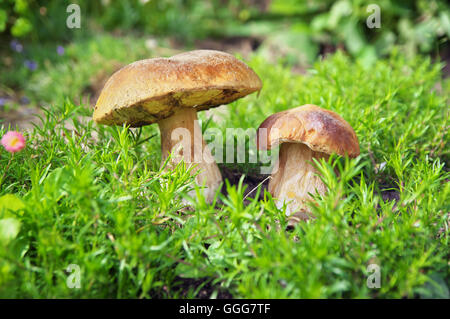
[13, 141]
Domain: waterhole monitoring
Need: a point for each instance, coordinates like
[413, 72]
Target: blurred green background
[43, 61]
[309, 26]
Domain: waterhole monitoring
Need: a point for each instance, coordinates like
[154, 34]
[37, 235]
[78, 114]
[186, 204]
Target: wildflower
[60, 50]
[32, 65]
[25, 100]
[13, 44]
[13, 141]
[16, 46]
[3, 101]
[19, 48]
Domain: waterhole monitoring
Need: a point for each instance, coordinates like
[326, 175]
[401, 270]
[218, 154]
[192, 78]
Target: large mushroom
[305, 132]
[170, 92]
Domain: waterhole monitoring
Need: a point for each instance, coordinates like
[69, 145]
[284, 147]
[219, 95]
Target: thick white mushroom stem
[181, 135]
[294, 178]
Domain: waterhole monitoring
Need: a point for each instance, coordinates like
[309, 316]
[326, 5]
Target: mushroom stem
[181, 135]
[295, 177]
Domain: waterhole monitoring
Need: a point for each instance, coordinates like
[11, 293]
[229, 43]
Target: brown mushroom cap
[146, 91]
[321, 130]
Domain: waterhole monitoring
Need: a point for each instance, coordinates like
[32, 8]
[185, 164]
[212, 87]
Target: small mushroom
[170, 92]
[304, 132]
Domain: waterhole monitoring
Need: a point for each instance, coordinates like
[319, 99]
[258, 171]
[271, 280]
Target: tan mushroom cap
[146, 91]
[321, 130]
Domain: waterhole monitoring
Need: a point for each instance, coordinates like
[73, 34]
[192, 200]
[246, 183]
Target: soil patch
[205, 292]
[251, 180]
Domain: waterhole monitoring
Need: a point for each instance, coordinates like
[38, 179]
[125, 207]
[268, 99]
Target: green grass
[94, 196]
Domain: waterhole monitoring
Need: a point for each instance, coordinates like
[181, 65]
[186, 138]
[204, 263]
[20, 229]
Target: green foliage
[184, 19]
[299, 29]
[95, 196]
[416, 26]
[14, 16]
